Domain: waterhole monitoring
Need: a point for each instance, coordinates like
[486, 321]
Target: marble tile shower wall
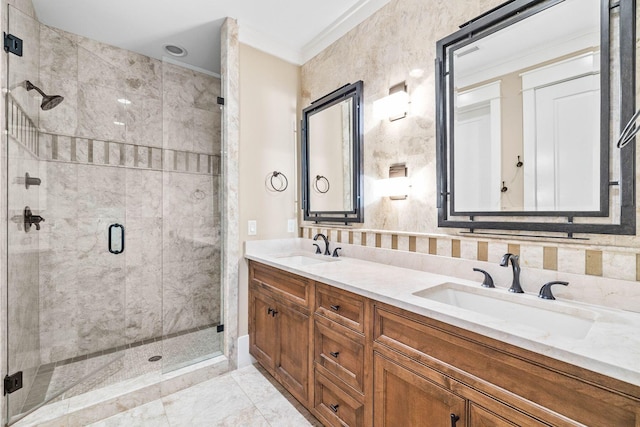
[404, 51]
[152, 163]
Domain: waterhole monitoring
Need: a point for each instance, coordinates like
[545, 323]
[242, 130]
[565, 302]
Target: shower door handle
[116, 239]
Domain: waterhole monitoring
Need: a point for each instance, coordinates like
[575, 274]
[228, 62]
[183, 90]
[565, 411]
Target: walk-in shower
[114, 230]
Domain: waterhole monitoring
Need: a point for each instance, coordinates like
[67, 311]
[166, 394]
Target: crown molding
[341, 26]
[338, 28]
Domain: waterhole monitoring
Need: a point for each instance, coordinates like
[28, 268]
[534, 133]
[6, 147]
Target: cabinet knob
[335, 307]
[454, 420]
[334, 408]
[334, 353]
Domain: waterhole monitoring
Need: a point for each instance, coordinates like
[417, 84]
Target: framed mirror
[530, 98]
[332, 134]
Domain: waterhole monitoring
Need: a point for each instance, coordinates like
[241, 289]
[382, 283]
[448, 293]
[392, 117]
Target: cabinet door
[292, 363]
[404, 398]
[263, 333]
[479, 417]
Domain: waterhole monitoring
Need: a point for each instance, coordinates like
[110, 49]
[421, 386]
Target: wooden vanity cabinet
[502, 384]
[280, 327]
[353, 361]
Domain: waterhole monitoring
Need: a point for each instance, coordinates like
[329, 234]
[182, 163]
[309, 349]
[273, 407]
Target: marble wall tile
[101, 321]
[96, 71]
[100, 115]
[403, 243]
[58, 192]
[385, 241]
[143, 75]
[143, 300]
[82, 150]
[468, 249]
[572, 260]
[58, 54]
[191, 89]
[103, 191]
[531, 256]
[97, 150]
[144, 120]
[618, 265]
[144, 193]
[194, 305]
[444, 247]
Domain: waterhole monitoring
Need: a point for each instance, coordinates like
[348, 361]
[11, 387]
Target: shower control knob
[31, 219]
[31, 180]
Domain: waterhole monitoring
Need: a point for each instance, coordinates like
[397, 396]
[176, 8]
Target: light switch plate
[291, 225]
[253, 227]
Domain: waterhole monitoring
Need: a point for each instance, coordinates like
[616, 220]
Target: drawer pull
[454, 420]
[335, 307]
[272, 312]
[334, 408]
[334, 353]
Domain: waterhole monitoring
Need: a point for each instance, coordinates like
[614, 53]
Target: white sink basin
[305, 259]
[552, 317]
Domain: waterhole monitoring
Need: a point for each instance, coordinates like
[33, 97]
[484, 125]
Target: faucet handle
[335, 252]
[545, 290]
[318, 251]
[488, 280]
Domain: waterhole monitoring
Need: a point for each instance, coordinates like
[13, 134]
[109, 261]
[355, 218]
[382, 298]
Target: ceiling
[294, 30]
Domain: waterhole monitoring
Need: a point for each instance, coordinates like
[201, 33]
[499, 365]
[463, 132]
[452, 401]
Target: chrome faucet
[515, 284]
[326, 242]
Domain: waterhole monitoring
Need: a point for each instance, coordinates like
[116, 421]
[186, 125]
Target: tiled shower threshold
[100, 404]
[128, 379]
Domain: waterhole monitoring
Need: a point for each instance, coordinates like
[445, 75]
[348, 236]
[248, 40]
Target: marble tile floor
[246, 397]
[55, 383]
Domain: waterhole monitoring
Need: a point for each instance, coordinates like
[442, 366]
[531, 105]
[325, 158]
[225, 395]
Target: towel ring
[278, 181]
[317, 185]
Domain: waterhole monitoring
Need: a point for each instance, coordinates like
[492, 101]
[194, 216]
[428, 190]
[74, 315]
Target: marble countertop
[611, 346]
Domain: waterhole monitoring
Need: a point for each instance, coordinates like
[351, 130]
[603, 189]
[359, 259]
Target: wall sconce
[394, 106]
[397, 186]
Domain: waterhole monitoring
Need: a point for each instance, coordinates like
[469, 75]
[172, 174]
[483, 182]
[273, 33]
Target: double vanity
[363, 343]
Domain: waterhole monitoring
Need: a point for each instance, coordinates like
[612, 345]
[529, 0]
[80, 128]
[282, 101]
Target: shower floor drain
[155, 358]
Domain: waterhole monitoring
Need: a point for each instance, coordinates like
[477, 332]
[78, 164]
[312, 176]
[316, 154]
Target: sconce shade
[394, 106]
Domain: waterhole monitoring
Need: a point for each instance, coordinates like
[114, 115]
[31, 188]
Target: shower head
[48, 101]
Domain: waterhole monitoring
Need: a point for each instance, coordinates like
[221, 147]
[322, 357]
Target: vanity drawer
[334, 406]
[289, 286]
[341, 352]
[340, 306]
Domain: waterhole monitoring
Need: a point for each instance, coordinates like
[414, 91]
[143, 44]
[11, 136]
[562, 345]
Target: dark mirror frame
[356, 215]
[501, 17]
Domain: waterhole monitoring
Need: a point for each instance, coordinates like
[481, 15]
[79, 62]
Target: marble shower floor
[247, 397]
[132, 362]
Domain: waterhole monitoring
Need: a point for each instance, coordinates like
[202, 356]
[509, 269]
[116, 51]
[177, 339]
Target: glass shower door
[191, 221]
[66, 230]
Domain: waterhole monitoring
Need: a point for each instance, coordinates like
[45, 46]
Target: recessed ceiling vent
[175, 50]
